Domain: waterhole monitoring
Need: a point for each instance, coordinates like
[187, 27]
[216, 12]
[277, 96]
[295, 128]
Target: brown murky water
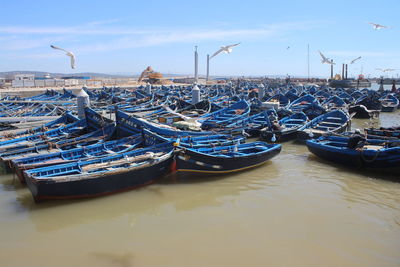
[296, 210]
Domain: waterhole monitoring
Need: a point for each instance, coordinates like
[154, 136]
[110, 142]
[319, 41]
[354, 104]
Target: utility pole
[343, 71]
[196, 65]
[208, 67]
[308, 62]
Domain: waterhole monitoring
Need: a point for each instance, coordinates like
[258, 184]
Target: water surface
[296, 210]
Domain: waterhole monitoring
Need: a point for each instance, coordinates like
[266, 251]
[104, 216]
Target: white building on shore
[46, 81]
[23, 80]
[2, 81]
[29, 80]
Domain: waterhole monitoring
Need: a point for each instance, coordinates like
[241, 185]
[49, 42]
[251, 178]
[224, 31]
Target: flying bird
[325, 60]
[386, 70]
[354, 60]
[378, 26]
[225, 49]
[70, 54]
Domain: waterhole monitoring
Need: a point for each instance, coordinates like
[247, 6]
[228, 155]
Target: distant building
[2, 81]
[75, 80]
[187, 80]
[23, 80]
[46, 81]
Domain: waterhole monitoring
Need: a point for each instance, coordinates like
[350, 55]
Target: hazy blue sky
[127, 36]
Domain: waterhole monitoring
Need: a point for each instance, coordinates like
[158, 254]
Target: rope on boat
[370, 160]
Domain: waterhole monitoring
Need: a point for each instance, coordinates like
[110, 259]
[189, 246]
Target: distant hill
[10, 74]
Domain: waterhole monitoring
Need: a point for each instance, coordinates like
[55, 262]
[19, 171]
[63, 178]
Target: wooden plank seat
[334, 118]
[319, 127]
[330, 123]
[291, 124]
[295, 120]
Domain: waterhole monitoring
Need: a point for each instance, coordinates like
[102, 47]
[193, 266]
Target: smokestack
[346, 70]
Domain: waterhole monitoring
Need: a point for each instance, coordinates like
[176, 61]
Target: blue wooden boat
[80, 153]
[225, 159]
[302, 102]
[131, 122]
[370, 101]
[312, 89]
[65, 119]
[285, 130]
[371, 154]
[389, 103]
[225, 116]
[281, 98]
[357, 95]
[307, 104]
[346, 97]
[66, 137]
[322, 95]
[252, 125]
[336, 121]
[209, 141]
[314, 110]
[127, 138]
[292, 95]
[52, 135]
[202, 107]
[92, 121]
[202, 141]
[362, 112]
[383, 132]
[102, 176]
[335, 102]
[92, 126]
[44, 147]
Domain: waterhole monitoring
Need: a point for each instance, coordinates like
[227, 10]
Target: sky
[127, 36]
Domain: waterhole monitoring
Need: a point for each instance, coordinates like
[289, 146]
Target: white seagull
[225, 49]
[70, 54]
[378, 26]
[325, 60]
[185, 118]
[386, 70]
[354, 60]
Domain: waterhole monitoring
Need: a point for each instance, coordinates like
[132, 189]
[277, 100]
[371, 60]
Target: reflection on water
[296, 210]
[169, 192]
[123, 260]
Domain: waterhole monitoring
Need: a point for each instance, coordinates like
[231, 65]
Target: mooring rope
[373, 158]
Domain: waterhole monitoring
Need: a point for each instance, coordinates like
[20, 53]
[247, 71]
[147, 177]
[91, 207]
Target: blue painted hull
[99, 186]
[100, 176]
[335, 149]
[205, 162]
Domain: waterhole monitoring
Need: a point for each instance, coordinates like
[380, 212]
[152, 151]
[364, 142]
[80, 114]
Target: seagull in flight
[325, 60]
[378, 26]
[225, 49]
[70, 54]
[386, 70]
[354, 60]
